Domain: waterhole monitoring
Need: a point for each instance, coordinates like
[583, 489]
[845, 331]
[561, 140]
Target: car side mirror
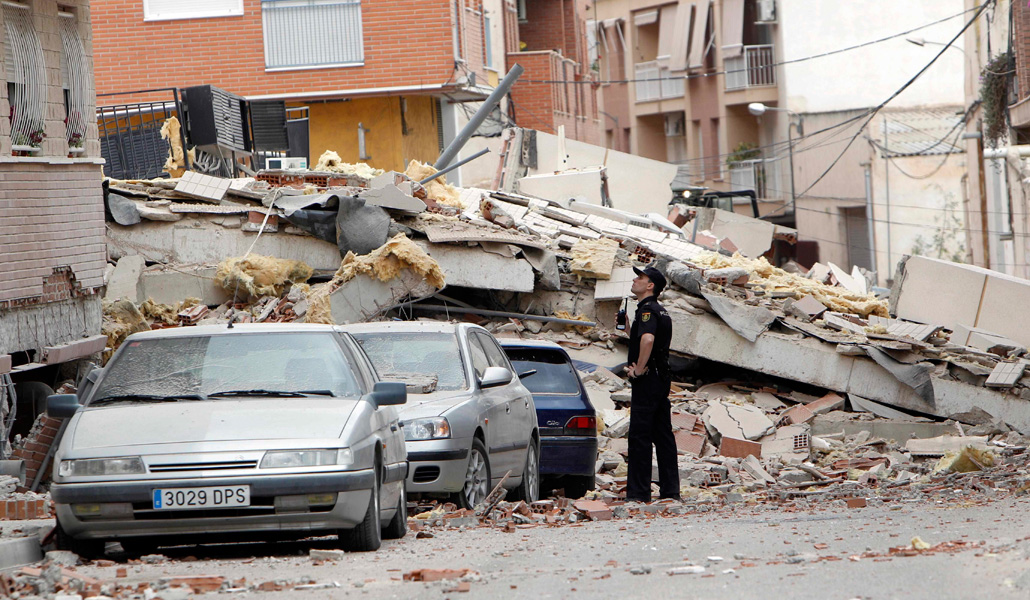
[62, 406]
[528, 373]
[388, 393]
[495, 376]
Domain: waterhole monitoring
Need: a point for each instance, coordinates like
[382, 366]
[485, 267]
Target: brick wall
[51, 218]
[1021, 46]
[405, 44]
[473, 40]
[534, 104]
[34, 447]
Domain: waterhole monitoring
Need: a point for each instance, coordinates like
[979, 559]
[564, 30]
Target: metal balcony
[755, 67]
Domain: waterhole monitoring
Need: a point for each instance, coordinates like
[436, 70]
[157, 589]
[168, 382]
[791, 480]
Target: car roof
[403, 326]
[517, 343]
[236, 329]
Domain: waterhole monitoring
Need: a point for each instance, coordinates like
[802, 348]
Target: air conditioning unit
[286, 162]
[766, 11]
[675, 125]
[217, 121]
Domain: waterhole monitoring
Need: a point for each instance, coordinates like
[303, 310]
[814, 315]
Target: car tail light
[581, 426]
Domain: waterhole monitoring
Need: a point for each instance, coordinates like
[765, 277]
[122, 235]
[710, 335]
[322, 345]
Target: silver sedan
[254, 430]
[468, 420]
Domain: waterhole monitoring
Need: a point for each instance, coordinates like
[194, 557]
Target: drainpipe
[869, 215]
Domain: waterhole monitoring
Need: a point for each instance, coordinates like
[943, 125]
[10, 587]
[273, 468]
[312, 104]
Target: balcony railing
[760, 175]
[755, 67]
[655, 82]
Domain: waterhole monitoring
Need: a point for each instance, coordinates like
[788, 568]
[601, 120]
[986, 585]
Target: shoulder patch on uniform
[645, 317]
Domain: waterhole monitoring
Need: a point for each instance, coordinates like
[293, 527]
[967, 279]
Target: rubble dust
[438, 189]
[330, 162]
[258, 276]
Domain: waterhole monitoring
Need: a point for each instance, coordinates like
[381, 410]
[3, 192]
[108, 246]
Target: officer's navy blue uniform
[650, 419]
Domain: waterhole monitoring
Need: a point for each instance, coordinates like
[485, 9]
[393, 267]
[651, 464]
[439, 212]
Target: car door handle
[507, 407]
[393, 427]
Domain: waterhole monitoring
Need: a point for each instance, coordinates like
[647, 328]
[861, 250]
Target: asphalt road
[827, 552]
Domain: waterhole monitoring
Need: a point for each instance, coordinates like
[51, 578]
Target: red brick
[856, 503]
[739, 448]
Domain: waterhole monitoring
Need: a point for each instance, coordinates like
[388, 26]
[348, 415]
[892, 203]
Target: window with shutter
[165, 10]
[26, 78]
[75, 81]
[302, 34]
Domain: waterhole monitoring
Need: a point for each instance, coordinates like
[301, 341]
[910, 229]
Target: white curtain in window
[159, 10]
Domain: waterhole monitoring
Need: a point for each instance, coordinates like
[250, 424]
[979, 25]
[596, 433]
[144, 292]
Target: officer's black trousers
[650, 423]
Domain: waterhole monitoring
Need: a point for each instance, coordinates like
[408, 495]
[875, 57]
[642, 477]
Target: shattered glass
[204, 365]
[416, 353]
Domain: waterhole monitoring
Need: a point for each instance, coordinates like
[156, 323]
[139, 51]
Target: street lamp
[923, 42]
[758, 109]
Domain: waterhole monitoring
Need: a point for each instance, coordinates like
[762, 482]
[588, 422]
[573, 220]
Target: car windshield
[554, 372]
[203, 366]
[403, 354]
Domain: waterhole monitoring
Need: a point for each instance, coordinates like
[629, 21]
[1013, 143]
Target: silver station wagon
[468, 420]
[218, 434]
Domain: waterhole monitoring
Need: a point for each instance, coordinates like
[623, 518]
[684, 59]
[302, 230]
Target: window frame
[74, 82]
[34, 91]
[149, 16]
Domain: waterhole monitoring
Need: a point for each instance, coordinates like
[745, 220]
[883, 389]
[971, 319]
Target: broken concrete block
[830, 401]
[939, 446]
[736, 448]
[690, 443]
[727, 276]
[364, 297]
[748, 322]
[169, 286]
[740, 422]
[157, 213]
[797, 414]
[473, 268]
[594, 509]
[792, 443]
[859, 404]
[753, 466]
[122, 209]
[125, 279]
[807, 308]
[394, 198]
[767, 401]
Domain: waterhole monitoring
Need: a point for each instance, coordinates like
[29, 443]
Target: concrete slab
[365, 297]
[789, 444]
[392, 197]
[200, 240]
[956, 290]
[1006, 374]
[860, 404]
[471, 267]
[18, 552]
[72, 350]
[811, 361]
[171, 285]
[939, 446]
[1004, 307]
[124, 281]
[898, 431]
[735, 421]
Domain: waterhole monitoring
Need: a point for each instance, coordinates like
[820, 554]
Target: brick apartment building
[52, 248]
[560, 84]
[384, 81]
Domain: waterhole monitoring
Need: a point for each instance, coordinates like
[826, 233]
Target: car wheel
[86, 549]
[367, 535]
[529, 490]
[576, 486]
[398, 527]
[477, 477]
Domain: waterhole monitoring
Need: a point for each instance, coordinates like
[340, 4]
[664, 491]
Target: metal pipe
[507, 315]
[477, 119]
[870, 222]
[454, 166]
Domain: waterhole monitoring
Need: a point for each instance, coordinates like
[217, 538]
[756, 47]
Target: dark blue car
[567, 420]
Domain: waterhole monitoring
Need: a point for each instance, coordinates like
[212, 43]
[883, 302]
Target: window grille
[312, 33]
[75, 81]
[26, 78]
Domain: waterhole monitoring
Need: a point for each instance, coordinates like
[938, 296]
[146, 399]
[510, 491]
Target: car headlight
[128, 465]
[436, 428]
[278, 459]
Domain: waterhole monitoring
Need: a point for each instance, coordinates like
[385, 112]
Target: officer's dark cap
[654, 275]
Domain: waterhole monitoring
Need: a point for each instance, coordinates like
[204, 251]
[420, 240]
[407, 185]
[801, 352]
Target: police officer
[650, 417]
